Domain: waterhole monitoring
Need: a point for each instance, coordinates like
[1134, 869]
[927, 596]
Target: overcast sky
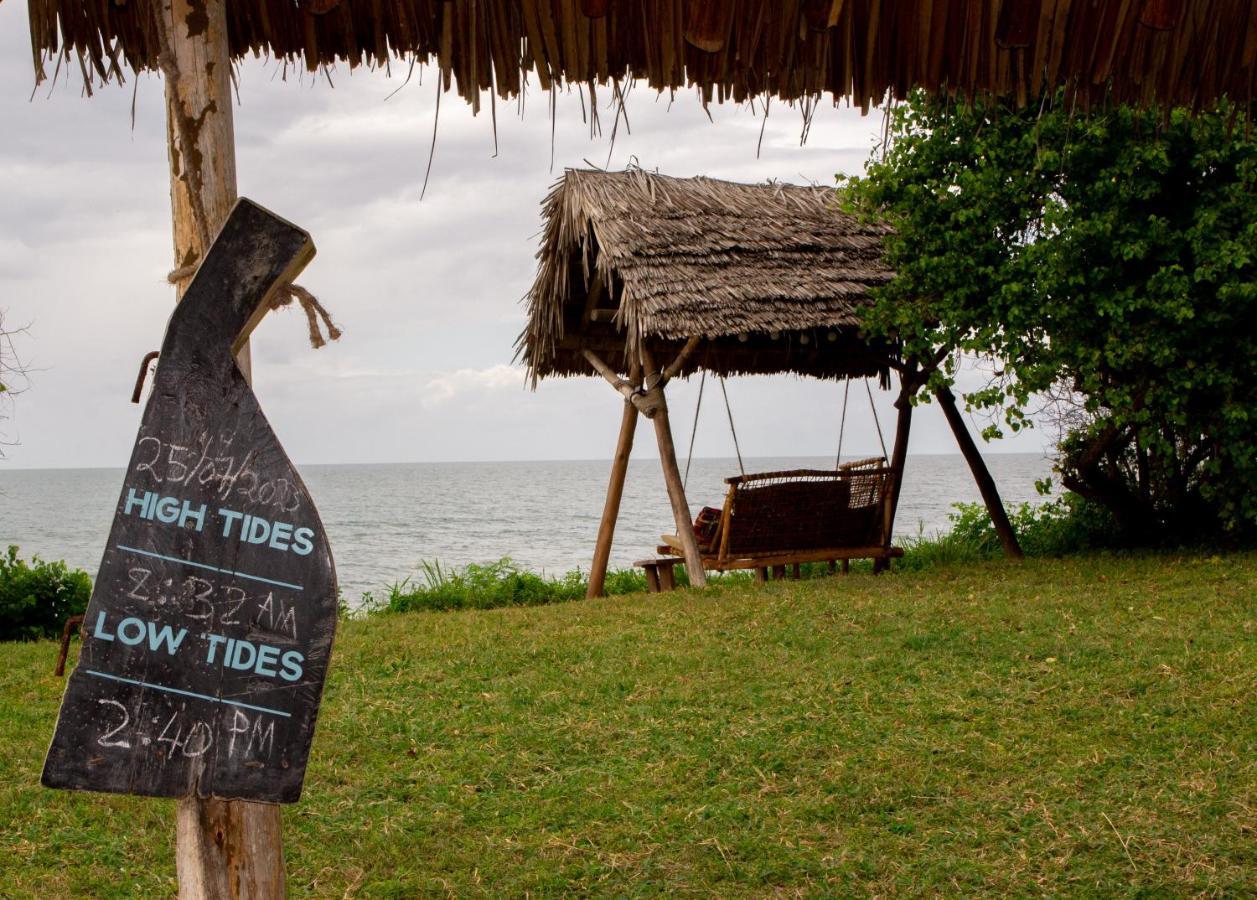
[427, 292]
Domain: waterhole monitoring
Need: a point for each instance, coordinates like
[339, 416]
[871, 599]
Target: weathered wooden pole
[898, 458]
[986, 484]
[653, 380]
[645, 403]
[903, 427]
[615, 491]
[223, 848]
[200, 132]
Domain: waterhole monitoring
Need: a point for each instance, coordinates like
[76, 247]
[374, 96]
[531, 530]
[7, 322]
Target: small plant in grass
[37, 597]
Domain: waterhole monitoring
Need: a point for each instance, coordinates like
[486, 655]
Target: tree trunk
[224, 848]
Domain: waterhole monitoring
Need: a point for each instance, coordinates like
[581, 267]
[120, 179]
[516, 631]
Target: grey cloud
[427, 292]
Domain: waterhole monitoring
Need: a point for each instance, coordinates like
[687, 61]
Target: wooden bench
[774, 520]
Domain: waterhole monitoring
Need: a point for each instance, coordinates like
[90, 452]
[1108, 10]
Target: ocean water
[383, 520]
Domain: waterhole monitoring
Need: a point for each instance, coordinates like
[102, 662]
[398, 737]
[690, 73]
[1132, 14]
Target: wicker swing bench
[772, 520]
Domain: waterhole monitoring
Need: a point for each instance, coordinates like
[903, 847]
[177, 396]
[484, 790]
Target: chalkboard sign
[210, 626]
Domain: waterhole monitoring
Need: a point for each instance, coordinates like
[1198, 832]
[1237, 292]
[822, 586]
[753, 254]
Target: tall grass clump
[480, 586]
[491, 585]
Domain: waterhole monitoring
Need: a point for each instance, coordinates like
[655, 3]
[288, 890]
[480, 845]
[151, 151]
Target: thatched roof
[772, 275]
[1173, 51]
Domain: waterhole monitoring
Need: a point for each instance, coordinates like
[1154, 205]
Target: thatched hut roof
[773, 276]
[1171, 51]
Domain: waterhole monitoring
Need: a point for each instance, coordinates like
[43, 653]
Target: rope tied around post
[309, 304]
[183, 127]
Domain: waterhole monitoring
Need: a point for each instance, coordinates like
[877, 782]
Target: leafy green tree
[1107, 261]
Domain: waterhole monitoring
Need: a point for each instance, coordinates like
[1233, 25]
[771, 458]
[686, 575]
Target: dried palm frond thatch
[1181, 52]
[773, 276]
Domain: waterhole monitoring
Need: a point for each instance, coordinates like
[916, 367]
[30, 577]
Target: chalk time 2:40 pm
[250, 739]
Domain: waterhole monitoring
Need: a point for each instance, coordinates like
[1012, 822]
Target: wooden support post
[224, 848]
[986, 484]
[229, 848]
[615, 491]
[647, 403]
[898, 458]
[672, 472]
[674, 368]
[903, 426]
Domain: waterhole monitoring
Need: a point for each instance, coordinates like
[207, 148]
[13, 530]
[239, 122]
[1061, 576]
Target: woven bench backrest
[791, 511]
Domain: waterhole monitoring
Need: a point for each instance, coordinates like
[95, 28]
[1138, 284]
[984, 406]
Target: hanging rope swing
[689, 457]
[733, 431]
[842, 422]
[877, 423]
[698, 406]
[787, 518]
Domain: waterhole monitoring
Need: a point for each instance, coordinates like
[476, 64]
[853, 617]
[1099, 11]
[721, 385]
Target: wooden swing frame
[643, 393]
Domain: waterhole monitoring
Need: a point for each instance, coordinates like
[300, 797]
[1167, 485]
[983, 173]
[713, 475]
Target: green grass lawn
[1085, 726]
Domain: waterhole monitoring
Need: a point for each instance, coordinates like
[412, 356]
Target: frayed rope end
[309, 304]
[314, 311]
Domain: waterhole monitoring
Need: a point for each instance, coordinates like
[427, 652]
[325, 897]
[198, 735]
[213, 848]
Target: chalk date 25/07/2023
[210, 459]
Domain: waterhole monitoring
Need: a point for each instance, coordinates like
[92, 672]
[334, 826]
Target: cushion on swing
[705, 525]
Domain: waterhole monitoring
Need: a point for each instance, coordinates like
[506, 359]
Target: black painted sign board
[210, 625]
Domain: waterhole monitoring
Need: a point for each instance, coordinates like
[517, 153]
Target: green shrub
[1068, 524]
[503, 583]
[37, 597]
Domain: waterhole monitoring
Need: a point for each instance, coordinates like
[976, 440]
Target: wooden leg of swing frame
[611, 506]
[981, 474]
[672, 475]
[899, 454]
